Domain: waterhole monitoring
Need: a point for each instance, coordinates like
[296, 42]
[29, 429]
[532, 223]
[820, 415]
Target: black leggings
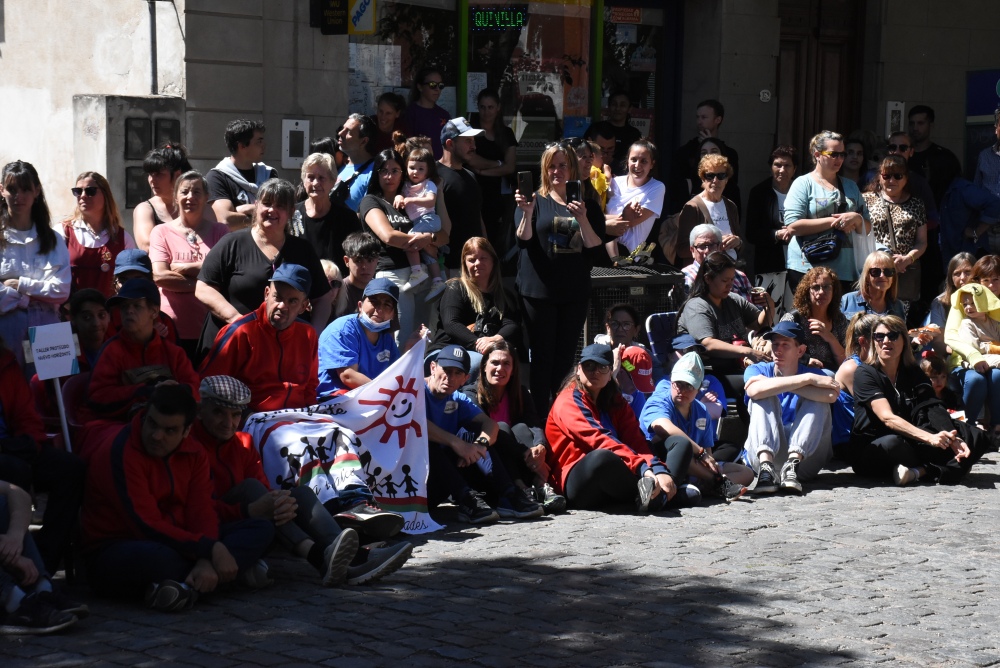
[553, 331]
[512, 444]
[879, 458]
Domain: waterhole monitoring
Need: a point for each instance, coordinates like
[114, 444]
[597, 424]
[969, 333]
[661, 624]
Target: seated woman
[900, 428]
[521, 443]
[858, 341]
[599, 455]
[959, 273]
[877, 288]
[474, 311]
[818, 314]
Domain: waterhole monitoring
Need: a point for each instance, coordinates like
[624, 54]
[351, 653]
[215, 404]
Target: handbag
[908, 282]
[825, 247]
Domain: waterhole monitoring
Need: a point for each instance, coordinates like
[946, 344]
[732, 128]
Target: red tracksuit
[280, 368]
[231, 463]
[19, 414]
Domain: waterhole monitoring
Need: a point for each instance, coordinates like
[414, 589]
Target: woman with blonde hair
[709, 206]
[320, 220]
[877, 288]
[817, 312]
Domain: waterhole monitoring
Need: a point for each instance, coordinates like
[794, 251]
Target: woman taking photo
[900, 428]
[34, 262]
[559, 241]
[162, 167]
[235, 272]
[323, 222]
[765, 214]
[709, 206]
[598, 453]
[177, 249]
[900, 223]
[636, 200]
[475, 313]
[877, 288]
[821, 203]
[94, 235]
[817, 312]
[493, 162]
[424, 116]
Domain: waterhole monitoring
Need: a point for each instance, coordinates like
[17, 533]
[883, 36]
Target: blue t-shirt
[789, 400]
[345, 343]
[636, 401]
[451, 412]
[697, 425]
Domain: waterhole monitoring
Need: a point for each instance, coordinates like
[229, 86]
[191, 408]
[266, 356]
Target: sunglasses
[882, 336]
[704, 248]
[89, 191]
[336, 283]
[711, 177]
[876, 272]
[902, 148]
[434, 85]
[893, 177]
[836, 155]
[594, 367]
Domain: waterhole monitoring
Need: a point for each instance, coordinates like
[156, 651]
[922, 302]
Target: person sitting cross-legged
[301, 522]
[790, 417]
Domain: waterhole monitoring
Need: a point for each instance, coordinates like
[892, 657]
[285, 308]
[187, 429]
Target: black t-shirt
[464, 201]
[457, 313]
[872, 383]
[221, 186]
[939, 166]
[390, 257]
[326, 234]
[490, 185]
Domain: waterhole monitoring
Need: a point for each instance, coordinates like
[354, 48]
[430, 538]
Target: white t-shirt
[720, 218]
[650, 195]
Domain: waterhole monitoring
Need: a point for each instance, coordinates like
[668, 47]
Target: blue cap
[597, 352]
[133, 259]
[454, 356]
[294, 275]
[789, 329]
[381, 286]
[686, 342]
[136, 288]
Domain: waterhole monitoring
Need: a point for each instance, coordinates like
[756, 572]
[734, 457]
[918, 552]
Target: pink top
[170, 245]
[502, 411]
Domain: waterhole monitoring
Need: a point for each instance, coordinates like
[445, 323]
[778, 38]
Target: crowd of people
[240, 292]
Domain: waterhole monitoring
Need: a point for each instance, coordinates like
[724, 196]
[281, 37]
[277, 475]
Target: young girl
[418, 200]
[936, 370]
[978, 338]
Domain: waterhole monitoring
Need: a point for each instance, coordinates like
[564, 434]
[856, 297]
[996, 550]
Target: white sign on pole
[53, 350]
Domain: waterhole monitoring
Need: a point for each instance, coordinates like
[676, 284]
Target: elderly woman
[900, 223]
[765, 213]
[876, 291]
[709, 206]
[235, 272]
[636, 200]
[559, 241]
[322, 221]
[388, 110]
[475, 313]
[820, 204]
[177, 250]
[34, 262]
[598, 453]
[162, 167]
[817, 312]
[94, 235]
[900, 428]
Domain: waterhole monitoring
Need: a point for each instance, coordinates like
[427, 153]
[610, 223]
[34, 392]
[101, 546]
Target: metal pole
[153, 84]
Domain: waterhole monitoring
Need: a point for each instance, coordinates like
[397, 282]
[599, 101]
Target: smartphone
[524, 184]
[573, 190]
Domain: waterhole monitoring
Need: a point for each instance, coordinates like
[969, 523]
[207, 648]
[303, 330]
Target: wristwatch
[483, 441]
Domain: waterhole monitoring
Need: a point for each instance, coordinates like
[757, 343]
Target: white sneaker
[904, 475]
[417, 277]
[437, 287]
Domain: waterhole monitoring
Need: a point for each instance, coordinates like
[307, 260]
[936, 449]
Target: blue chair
[661, 328]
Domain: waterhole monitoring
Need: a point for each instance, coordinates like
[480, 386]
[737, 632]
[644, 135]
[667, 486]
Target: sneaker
[727, 489]
[904, 475]
[645, 502]
[368, 518]
[552, 503]
[255, 576]
[35, 617]
[170, 596]
[417, 277]
[338, 555]
[64, 603]
[515, 504]
[379, 562]
[790, 476]
[766, 482]
[686, 496]
[437, 287]
[473, 509]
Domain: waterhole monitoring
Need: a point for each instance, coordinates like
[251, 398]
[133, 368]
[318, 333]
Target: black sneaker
[370, 519]
[473, 509]
[64, 603]
[645, 502]
[790, 476]
[379, 562]
[552, 503]
[686, 496]
[338, 555]
[35, 617]
[170, 596]
[766, 482]
[727, 489]
[516, 505]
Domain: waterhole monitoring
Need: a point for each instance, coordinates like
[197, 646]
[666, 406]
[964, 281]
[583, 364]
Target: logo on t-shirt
[450, 407]
[384, 355]
[701, 423]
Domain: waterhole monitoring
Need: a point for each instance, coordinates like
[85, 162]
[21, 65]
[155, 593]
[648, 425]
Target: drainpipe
[154, 87]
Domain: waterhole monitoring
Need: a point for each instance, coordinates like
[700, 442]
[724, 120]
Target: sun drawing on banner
[398, 417]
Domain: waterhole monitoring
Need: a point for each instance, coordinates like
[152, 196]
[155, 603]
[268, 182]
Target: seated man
[706, 239]
[450, 413]
[674, 410]
[28, 602]
[303, 525]
[134, 263]
[148, 520]
[137, 359]
[790, 418]
[269, 349]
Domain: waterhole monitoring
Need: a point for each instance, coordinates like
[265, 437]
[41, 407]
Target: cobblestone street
[849, 574]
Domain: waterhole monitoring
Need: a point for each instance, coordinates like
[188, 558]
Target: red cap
[639, 365]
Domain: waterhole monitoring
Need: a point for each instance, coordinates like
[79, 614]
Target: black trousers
[553, 331]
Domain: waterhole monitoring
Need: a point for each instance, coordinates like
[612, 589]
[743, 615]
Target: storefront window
[632, 37]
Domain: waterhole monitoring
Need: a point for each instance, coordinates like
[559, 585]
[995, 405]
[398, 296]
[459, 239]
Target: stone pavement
[849, 574]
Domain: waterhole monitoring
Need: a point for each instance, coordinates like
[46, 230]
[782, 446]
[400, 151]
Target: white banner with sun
[374, 436]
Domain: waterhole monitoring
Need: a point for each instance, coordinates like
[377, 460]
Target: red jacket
[280, 368]
[574, 428]
[20, 417]
[111, 394]
[165, 325]
[231, 463]
[133, 496]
